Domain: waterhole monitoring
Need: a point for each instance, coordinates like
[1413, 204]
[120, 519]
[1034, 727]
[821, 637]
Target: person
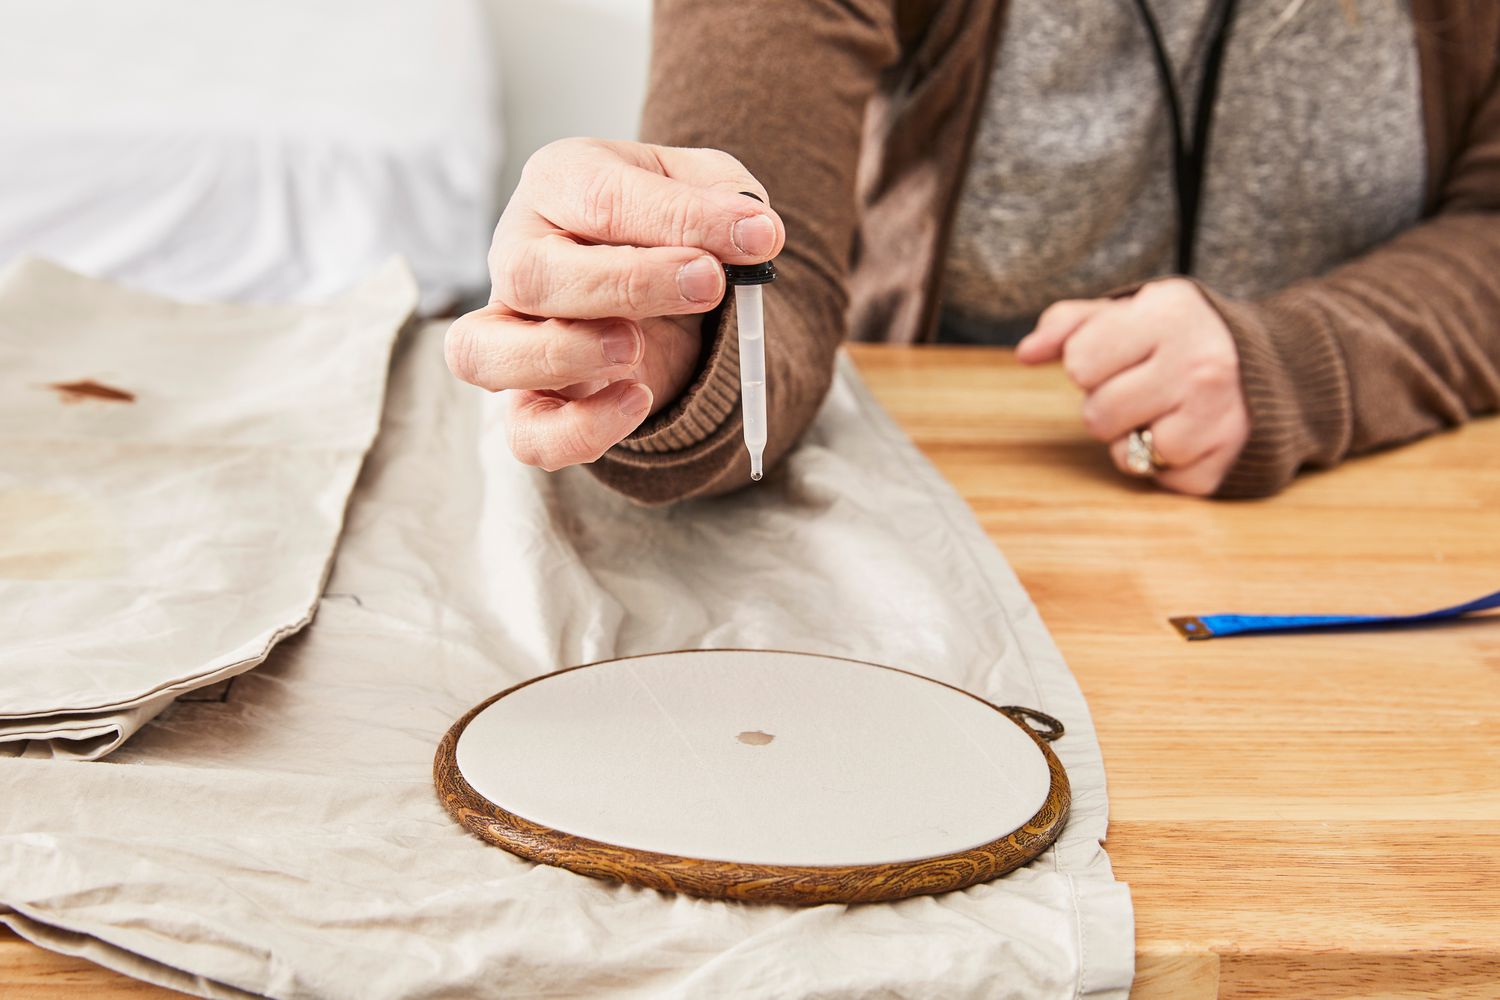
[1265, 232]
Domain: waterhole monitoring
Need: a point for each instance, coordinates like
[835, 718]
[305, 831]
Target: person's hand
[599, 266]
[1162, 359]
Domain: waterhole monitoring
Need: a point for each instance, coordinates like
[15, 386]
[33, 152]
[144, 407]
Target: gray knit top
[1317, 153]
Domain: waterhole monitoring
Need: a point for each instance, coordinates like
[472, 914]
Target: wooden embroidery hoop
[800, 885]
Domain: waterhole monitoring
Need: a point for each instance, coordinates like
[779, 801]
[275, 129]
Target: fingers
[551, 432]
[554, 276]
[1105, 345]
[1200, 479]
[596, 192]
[1163, 359]
[1197, 449]
[1192, 461]
[1057, 323]
[600, 264]
[494, 350]
[1134, 398]
[1180, 439]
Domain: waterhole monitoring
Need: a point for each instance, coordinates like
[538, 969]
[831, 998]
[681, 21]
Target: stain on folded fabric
[85, 389]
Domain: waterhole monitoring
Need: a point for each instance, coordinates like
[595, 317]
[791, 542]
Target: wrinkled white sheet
[288, 841]
[156, 545]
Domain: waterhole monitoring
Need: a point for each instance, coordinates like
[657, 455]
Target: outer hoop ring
[796, 885]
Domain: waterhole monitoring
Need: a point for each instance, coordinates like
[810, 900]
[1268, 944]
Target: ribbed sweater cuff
[713, 398]
[1296, 387]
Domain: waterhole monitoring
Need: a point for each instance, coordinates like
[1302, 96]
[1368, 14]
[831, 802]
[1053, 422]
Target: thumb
[760, 234]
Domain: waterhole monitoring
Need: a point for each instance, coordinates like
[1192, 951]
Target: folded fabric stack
[173, 480]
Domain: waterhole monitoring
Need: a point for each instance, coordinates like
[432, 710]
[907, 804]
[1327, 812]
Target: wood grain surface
[1308, 816]
[793, 885]
[29, 973]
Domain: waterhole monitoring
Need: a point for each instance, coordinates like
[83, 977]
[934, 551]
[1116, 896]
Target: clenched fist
[1161, 360]
[601, 265]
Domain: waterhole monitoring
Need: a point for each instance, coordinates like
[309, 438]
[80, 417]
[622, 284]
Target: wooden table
[1298, 816]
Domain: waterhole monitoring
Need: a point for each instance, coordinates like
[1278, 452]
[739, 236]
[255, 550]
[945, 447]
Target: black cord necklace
[1189, 161]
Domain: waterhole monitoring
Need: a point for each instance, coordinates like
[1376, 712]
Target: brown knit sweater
[858, 116]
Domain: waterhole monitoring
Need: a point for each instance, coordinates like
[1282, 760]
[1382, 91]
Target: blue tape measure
[1217, 626]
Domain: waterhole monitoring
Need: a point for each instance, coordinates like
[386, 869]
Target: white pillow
[277, 150]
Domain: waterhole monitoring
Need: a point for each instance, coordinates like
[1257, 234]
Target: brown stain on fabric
[755, 738]
[87, 389]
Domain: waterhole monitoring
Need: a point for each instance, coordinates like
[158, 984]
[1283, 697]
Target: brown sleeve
[783, 87]
[1391, 346]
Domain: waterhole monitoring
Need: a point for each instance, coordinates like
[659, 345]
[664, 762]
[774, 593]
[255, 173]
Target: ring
[1141, 457]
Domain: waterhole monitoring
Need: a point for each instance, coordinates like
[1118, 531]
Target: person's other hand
[1162, 359]
[600, 265]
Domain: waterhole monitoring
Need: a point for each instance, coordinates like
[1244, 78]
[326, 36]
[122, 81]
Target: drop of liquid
[755, 477]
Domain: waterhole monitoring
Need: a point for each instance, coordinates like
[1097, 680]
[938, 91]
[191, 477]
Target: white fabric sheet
[157, 544]
[214, 150]
[288, 841]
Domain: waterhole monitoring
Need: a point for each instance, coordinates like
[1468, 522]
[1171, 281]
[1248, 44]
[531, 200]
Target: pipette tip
[755, 469]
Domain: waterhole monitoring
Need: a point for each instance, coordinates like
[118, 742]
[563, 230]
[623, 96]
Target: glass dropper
[750, 313]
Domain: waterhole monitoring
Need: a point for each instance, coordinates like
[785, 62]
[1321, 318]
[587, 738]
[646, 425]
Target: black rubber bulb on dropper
[750, 274]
